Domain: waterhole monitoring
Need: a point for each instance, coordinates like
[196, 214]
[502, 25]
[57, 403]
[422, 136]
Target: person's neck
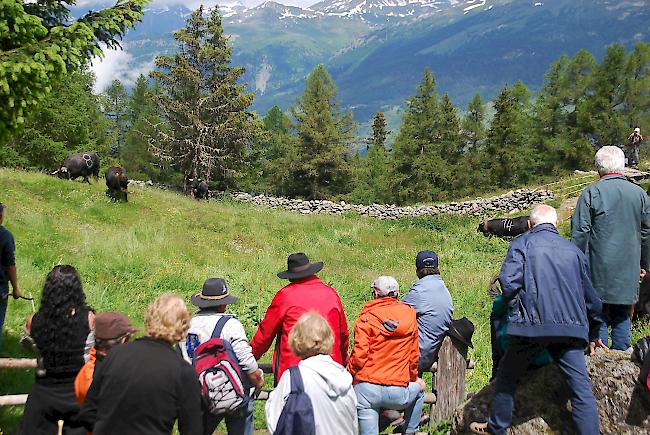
[611, 174]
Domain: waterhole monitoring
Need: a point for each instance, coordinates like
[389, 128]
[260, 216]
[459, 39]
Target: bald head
[543, 214]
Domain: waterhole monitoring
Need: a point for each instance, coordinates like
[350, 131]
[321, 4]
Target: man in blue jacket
[611, 225]
[553, 306]
[433, 306]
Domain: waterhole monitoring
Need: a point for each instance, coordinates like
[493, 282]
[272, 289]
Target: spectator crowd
[558, 299]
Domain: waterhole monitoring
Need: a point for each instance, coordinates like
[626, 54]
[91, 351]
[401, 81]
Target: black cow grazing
[117, 183]
[79, 165]
[504, 227]
[200, 189]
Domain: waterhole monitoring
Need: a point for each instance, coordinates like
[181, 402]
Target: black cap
[426, 259]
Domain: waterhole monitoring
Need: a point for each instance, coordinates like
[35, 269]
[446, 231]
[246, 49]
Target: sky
[193, 4]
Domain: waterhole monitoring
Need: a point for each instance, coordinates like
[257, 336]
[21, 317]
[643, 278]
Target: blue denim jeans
[618, 318]
[235, 425]
[4, 299]
[570, 359]
[373, 397]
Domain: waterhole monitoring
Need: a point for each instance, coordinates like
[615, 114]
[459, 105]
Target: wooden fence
[448, 380]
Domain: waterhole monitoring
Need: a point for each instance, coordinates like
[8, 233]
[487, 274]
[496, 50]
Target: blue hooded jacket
[546, 281]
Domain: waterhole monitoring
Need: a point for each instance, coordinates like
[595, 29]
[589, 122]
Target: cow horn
[55, 172]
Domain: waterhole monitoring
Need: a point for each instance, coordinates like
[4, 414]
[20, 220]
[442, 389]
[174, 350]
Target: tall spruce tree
[371, 174]
[211, 127]
[40, 43]
[116, 102]
[278, 149]
[421, 173]
[139, 99]
[599, 114]
[507, 154]
[324, 134]
[474, 122]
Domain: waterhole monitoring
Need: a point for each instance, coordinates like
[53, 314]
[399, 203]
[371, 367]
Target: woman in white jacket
[327, 383]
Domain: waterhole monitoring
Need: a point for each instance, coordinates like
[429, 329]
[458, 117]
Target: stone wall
[518, 200]
[514, 201]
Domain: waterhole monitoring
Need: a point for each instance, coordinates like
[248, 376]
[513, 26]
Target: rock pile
[518, 200]
[542, 400]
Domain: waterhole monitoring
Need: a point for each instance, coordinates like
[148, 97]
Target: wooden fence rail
[449, 380]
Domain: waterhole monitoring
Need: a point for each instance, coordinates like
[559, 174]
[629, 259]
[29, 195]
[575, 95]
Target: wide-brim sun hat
[299, 266]
[214, 293]
[462, 330]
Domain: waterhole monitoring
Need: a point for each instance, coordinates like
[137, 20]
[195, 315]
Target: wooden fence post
[449, 381]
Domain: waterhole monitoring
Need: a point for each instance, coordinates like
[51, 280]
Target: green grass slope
[127, 254]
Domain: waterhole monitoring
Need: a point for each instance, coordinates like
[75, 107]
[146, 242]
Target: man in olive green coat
[611, 225]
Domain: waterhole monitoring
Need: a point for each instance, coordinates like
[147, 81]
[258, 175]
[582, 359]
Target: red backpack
[223, 383]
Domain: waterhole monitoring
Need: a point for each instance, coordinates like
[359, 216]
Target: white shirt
[329, 386]
[201, 327]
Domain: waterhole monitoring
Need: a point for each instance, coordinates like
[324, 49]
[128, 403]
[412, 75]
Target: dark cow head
[62, 173]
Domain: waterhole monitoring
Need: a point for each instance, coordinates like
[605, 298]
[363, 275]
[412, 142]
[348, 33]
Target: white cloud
[118, 64]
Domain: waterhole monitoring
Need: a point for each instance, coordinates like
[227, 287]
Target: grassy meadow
[160, 241]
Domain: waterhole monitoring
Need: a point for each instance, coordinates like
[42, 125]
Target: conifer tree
[379, 131]
[324, 134]
[507, 153]
[371, 174]
[474, 122]
[451, 140]
[116, 101]
[278, 150]
[138, 101]
[599, 114]
[420, 172]
[39, 44]
[211, 127]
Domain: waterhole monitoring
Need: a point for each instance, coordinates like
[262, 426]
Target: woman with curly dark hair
[62, 331]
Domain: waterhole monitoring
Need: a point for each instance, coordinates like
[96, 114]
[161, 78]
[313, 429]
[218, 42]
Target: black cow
[79, 165]
[504, 227]
[200, 189]
[117, 183]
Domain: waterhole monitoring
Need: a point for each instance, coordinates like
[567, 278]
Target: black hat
[462, 330]
[214, 293]
[426, 259]
[298, 267]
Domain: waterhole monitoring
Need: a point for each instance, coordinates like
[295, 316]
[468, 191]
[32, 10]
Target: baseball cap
[386, 286]
[112, 325]
[426, 259]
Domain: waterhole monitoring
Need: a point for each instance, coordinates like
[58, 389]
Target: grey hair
[543, 214]
[609, 159]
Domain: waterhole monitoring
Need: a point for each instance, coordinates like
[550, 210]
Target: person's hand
[594, 344]
[16, 293]
[422, 384]
[642, 275]
[257, 379]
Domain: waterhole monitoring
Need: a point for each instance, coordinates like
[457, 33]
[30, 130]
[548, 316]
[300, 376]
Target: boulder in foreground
[542, 401]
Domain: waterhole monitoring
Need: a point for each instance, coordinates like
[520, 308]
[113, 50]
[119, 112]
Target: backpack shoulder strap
[216, 332]
[297, 385]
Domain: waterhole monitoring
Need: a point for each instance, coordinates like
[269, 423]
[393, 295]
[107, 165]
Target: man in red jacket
[305, 292]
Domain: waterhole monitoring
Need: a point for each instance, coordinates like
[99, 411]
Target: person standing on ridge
[305, 292]
[633, 142]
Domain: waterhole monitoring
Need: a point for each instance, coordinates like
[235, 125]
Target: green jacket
[611, 225]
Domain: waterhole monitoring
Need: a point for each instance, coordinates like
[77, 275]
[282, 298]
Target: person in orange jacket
[110, 329]
[305, 292]
[384, 360]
